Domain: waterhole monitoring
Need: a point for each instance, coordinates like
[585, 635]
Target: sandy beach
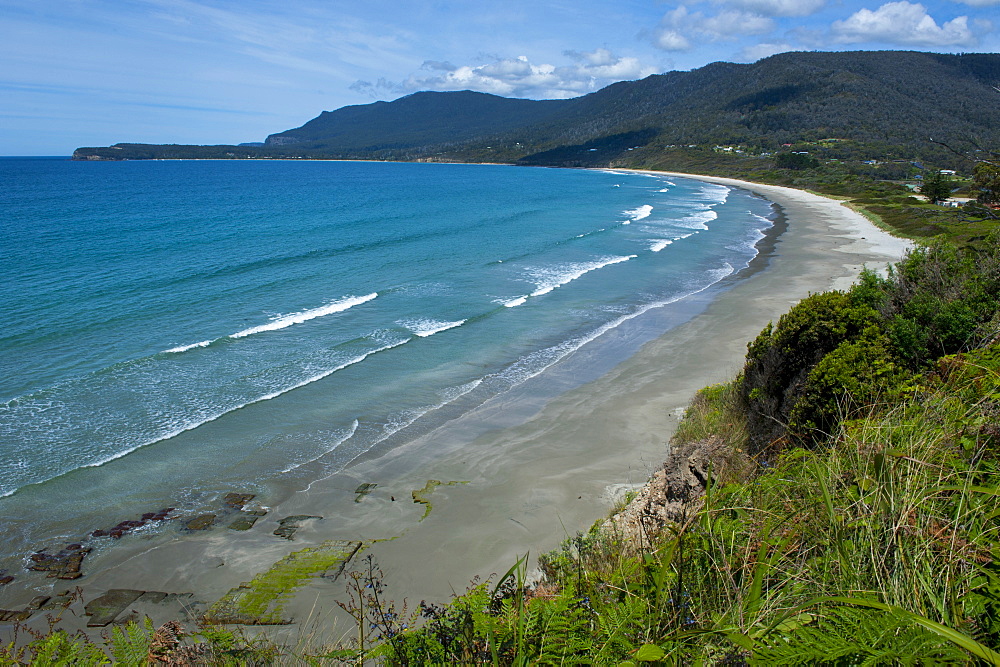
[533, 466]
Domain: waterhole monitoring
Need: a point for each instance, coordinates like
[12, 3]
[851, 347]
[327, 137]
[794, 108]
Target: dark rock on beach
[38, 602]
[288, 525]
[64, 564]
[109, 607]
[203, 522]
[103, 609]
[123, 527]
[238, 500]
[14, 616]
[244, 522]
[363, 490]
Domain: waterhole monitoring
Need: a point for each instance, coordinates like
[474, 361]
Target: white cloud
[518, 77]
[671, 40]
[779, 7]
[679, 27]
[762, 50]
[902, 23]
[732, 23]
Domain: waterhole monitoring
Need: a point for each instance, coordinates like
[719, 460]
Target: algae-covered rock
[65, 564]
[363, 490]
[422, 496]
[203, 522]
[260, 601]
[238, 500]
[14, 616]
[287, 526]
[244, 523]
[38, 602]
[103, 609]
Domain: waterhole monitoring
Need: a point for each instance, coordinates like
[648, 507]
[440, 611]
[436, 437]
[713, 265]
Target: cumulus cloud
[518, 77]
[671, 40]
[679, 26]
[731, 23]
[902, 23]
[779, 7]
[762, 50]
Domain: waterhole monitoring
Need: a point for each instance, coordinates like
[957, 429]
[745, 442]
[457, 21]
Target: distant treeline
[894, 100]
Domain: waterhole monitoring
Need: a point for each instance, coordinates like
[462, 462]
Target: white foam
[656, 245]
[284, 321]
[513, 303]
[538, 362]
[426, 327]
[549, 278]
[185, 348]
[697, 220]
[408, 417]
[339, 441]
[267, 397]
[714, 192]
[639, 213]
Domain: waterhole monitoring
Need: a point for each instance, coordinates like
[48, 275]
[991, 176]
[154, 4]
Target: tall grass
[880, 548]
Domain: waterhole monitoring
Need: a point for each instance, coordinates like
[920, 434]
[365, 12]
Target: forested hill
[886, 98]
[418, 120]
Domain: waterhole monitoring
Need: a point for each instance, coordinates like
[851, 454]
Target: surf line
[284, 321]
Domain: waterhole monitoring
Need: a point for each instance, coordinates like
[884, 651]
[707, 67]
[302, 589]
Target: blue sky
[95, 72]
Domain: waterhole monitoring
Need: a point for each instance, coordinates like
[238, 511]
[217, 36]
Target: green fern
[131, 645]
[60, 648]
[859, 636]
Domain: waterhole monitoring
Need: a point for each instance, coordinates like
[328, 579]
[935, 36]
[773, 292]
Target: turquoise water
[176, 328]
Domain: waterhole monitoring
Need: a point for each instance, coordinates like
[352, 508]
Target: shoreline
[532, 474]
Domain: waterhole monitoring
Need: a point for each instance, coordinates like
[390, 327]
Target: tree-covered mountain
[417, 120]
[885, 98]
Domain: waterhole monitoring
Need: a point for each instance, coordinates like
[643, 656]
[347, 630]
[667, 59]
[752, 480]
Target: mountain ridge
[888, 98]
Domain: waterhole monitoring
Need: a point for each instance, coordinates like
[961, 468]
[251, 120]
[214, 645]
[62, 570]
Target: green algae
[363, 490]
[422, 496]
[261, 600]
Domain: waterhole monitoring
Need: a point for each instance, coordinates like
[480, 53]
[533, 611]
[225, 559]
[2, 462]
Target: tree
[795, 161]
[937, 187]
[986, 183]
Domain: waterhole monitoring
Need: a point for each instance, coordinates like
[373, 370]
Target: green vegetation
[937, 187]
[851, 515]
[889, 102]
[140, 644]
[260, 601]
[423, 496]
[868, 533]
[876, 190]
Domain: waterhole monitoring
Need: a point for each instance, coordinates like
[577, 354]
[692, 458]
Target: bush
[780, 359]
[849, 380]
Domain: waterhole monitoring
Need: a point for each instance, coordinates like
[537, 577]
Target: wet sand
[537, 464]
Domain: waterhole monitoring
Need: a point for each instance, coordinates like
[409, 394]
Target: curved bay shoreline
[539, 465]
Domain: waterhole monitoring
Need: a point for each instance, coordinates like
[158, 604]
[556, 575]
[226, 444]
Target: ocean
[173, 330]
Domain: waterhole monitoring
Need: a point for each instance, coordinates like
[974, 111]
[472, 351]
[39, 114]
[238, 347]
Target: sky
[97, 72]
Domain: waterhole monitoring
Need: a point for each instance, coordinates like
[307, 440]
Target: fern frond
[856, 635]
[131, 645]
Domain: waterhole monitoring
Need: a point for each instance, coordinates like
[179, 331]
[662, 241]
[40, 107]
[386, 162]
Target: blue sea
[176, 329]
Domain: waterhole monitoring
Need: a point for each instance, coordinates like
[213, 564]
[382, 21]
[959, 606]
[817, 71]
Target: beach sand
[538, 464]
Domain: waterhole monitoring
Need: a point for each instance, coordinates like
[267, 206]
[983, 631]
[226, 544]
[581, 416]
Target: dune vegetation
[845, 510]
[851, 515]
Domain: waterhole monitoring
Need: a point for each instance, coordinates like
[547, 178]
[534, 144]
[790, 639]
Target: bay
[174, 330]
